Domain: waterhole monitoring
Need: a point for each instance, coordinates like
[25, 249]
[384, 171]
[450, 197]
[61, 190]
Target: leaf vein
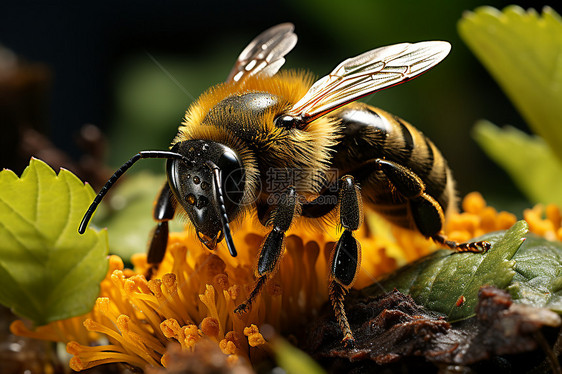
[16, 238]
[29, 297]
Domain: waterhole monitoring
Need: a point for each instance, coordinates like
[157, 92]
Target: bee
[265, 125]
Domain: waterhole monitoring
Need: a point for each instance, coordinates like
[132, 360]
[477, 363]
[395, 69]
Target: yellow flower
[192, 297]
[545, 221]
[477, 219]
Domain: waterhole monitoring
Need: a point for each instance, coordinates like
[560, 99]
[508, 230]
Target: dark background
[110, 63]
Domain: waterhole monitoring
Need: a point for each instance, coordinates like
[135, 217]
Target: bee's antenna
[117, 174]
[217, 180]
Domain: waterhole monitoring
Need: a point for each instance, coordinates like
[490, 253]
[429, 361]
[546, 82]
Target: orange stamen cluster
[545, 221]
[477, 219]
[192, 297]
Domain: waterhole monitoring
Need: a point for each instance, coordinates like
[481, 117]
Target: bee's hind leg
[163, 212]
[346, 256]
[272, 248]
[427, 213]
[476, 247]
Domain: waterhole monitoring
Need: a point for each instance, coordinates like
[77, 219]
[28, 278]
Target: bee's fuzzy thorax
[279, 148]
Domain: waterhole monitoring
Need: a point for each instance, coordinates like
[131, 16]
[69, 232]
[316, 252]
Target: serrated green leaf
[538, 277]
[48, 271]
[522, 51]
[439, 280]
[527, 159]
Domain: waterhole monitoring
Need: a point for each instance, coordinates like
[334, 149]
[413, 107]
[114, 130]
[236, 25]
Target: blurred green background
[133, 67]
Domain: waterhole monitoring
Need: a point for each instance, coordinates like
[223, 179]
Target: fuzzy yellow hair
[270, 146]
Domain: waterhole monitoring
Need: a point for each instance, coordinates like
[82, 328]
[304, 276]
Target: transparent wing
[264, 54]
[367, 73]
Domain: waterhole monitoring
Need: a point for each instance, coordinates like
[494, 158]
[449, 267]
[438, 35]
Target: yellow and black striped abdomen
[370, 134]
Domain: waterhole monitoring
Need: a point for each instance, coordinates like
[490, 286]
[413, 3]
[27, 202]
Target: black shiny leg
[158, 244]
[163, 212]
[346, 257]
[428, 215]
[273, 245]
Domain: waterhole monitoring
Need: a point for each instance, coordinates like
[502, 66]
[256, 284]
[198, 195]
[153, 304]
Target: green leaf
[538, 277]
[48, 271]
[293, 360]
[527, 159]
[438, 281]
[522, 51]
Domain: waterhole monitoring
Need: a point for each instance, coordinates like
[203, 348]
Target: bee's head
[209, 186]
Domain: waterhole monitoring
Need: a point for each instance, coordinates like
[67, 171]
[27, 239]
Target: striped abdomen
[369, 133]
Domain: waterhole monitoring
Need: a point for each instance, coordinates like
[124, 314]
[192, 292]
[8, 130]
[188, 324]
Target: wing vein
[367, 73]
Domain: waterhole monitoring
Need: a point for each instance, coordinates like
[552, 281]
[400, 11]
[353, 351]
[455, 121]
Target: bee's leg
[426, 211]
[163, 212]
[476, 247]
[346, 257]
[273, 245]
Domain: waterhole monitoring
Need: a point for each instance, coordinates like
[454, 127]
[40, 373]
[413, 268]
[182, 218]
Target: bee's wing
[264, 54]
[367, 73]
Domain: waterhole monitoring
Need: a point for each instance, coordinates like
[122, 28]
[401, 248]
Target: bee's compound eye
[233, 176]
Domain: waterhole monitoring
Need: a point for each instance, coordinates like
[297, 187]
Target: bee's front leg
[273, 245]
[346, 256]
[163, 212]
